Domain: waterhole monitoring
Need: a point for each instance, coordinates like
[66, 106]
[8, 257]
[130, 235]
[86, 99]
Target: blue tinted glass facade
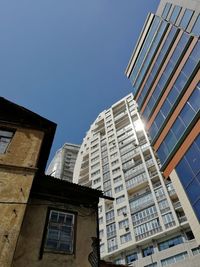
[150, 54]
[157, 64]
[182, 122]
[166, 10]
[186, 18]
[152, 30]
[188, 171]
[196, 27]
[175, 13]
[176, 90]
[171, 65]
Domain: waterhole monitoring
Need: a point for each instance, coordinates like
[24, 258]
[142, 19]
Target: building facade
[60, 226]
[25, 142]
[145, 225]
[62, 165]
[164, 72]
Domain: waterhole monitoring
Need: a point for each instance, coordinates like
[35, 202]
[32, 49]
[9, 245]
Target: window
[118, 188]
[196, 251]
[117, 179]
[111, 230]
[5, 139]
[175, 13]
[189, 235]
[123, 224]
[188, 172]
[147, 251]
[119, 261]
[154, 264]
[102, 248]
[60, 232]
[196, 27]
[125, 238]
[186, 18]
[120, 199]
[170, 243]
[121, 211]
[98, 180]
[112, 244]
[166, 10]
[131, 258]
[174, 259]
[110, 216]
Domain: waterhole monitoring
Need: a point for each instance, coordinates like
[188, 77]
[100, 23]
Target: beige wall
[32, 233]
[16, 175]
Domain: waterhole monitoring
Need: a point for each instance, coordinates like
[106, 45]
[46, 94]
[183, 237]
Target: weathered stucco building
[60, 226]
[25, 142]
[44, 221]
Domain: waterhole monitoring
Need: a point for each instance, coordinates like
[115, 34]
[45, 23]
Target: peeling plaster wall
[17, 170]
[33, 229]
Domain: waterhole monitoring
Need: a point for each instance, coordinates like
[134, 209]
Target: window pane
[166, 10]
[60, 234]
[196, 27]
[187, 114]
[178, 128]
[197, 209]
[184, 172]
[193, 158]
[193, 191]
[175, 14]
[194, 99]
[5, 139]
[186, 18]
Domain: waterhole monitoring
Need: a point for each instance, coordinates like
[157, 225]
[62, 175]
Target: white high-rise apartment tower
[145, 225]
[62, 165]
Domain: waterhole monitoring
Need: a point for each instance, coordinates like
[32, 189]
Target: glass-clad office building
[164, 72]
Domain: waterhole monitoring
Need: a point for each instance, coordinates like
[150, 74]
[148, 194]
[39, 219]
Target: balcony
[149, 233]
[84, 170]
[134, 174]
[170, 224]
[172, 194]
[182, 219]
[177, 205]
[146, 219]
[120, 115]
[111, 234]
[150, 163]
[164, 210]
[141, 206]
[160, 197]
[136, 185]
[84, 179]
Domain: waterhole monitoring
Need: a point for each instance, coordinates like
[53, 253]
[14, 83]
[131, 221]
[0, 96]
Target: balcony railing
[182, 219]
[170, 224]
[136, 183]
[172, 192]
[145, 219]
[120, 115]
[149, 233]
[177, 205]
[111, 234]
[141, 206]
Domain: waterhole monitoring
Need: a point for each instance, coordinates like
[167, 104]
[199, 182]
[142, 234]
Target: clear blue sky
[65, 59]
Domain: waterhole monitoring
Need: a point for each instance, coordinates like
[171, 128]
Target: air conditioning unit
[127, 229]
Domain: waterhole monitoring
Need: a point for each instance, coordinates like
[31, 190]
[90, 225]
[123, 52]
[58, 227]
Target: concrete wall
[17, 170]
[32, 233]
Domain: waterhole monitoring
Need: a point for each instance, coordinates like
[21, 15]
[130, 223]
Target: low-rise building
[60, 226]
